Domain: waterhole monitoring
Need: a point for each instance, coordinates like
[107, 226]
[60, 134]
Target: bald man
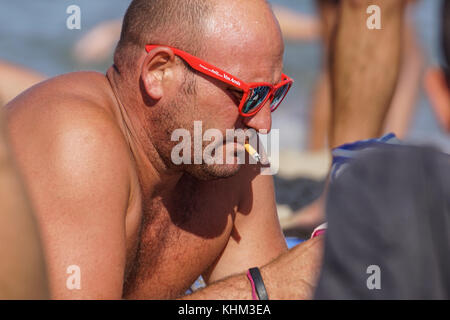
[97, 44]
[118, 218]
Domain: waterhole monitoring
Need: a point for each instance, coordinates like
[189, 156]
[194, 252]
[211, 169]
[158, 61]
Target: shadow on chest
[182, 234]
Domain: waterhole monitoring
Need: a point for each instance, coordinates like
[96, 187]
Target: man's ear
[439, 94]
[156, 68]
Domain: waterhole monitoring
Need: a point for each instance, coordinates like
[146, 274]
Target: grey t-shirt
[388, 231]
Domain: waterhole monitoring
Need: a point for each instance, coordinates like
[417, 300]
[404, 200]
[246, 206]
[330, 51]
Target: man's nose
[262, 120]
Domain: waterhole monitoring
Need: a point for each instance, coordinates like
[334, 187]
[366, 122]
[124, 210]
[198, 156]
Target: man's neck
[154, 174]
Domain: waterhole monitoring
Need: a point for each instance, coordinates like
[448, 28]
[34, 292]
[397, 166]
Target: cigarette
[252, 152]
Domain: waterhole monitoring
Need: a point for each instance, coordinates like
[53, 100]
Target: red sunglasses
[255, 95]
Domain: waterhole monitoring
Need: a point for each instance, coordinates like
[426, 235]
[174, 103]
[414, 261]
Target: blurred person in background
[437, 79]
[400, 111]
[388, 213]
[364, 67]
[22, 266]
[15, 79]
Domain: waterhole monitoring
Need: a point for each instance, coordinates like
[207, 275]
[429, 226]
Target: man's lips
[247, 137]
[240, 143]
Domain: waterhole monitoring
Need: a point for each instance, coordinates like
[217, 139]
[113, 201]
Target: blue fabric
[346, 153]
[292, 241]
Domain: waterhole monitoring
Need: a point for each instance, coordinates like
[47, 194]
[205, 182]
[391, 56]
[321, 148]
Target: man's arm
[364, 69]
[22, 265]
[401, 110]
[77, 177]
[257, 238]
[257, 241]
[293, 275]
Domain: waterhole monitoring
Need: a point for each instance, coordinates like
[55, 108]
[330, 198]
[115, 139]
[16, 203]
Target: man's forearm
[364, 69]
[293, 275]
[236, 287]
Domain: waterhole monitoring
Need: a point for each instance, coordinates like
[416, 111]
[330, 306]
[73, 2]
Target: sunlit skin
[22, 266]
[109, 200]
[439, 94]
[216, 102]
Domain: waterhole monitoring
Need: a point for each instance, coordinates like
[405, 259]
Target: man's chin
[213, 171]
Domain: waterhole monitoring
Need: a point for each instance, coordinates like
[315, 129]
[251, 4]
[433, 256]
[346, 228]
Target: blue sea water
[33, 33]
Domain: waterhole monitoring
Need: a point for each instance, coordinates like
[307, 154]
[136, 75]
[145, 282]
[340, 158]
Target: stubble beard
[184, 103]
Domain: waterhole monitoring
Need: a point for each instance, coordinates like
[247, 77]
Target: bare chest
[181, 235]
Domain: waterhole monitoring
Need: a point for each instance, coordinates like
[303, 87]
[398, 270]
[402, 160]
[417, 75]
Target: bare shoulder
[69, 107]
[76, 166]
[63, 125]
[72, 90]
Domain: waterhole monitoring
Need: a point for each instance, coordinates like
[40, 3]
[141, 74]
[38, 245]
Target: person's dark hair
[176, 23]
[445, 35]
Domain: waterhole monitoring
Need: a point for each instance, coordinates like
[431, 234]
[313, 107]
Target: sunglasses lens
[255, 99]
[279, 95]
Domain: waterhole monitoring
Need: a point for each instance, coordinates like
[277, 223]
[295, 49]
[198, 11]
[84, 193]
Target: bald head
[177, 23]
[180, 23]
[245, 27]
[241, 37]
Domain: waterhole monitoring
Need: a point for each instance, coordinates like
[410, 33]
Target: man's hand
[294, 274]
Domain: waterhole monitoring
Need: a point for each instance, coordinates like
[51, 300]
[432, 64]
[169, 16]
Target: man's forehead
[243, 30]
[243, 20]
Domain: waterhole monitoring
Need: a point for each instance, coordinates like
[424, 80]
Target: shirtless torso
[100, 207]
